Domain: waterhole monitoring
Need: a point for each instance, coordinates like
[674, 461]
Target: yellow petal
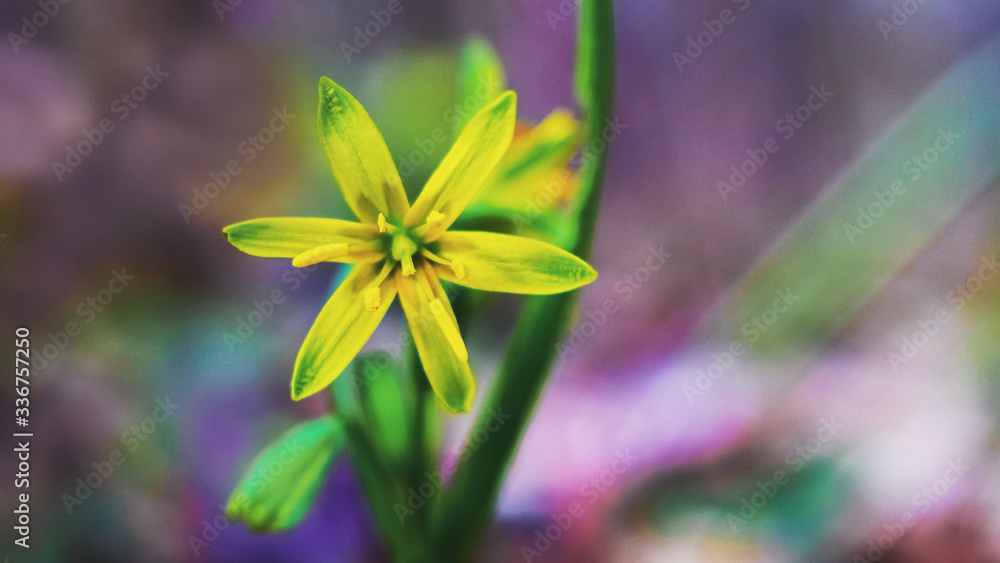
[358, 157]
[287, 237]
[341, 329]
[439, 344]
[510, 264]
[551, 142]
[461, 174]
[534, 171]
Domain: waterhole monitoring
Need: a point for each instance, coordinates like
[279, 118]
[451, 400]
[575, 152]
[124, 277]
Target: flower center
[403, 249]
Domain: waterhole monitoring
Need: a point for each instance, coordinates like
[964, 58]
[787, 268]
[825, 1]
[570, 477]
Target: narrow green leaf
[873, 219]
[385, 410]
[283, 480]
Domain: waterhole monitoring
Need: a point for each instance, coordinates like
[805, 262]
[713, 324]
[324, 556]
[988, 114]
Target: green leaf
[283, 480]
[481, 77]
[384, 407]
[871, 222]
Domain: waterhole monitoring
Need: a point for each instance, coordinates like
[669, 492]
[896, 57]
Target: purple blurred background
[659, 474]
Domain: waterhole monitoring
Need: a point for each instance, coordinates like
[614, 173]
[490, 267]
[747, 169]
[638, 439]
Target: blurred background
[661, 436]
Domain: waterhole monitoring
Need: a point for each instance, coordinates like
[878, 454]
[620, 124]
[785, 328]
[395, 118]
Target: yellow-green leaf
[282, 481]
[470, 161]
[340, 330]
[287, 237]
[358, 157]
[511, 264]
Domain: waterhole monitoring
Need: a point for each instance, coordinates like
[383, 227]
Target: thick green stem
[469, 502]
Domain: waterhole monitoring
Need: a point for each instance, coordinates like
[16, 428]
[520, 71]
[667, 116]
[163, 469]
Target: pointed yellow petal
[341, 329]
[534, 170]
[358, 157]
[435, 333]
[287, 237]
[510, 264]
[461, 174]
[550, 143]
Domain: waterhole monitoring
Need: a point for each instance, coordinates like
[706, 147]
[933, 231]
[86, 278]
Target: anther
[435, 218]
[373, 298]
[407, 261]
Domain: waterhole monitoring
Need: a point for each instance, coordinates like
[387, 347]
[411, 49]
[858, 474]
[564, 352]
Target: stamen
[373, 295]
[373, 298]
[320, 254]
[403, 249]
[407, 261]
[449, 329]
[435, 218]
[381, 223]
[455, 265]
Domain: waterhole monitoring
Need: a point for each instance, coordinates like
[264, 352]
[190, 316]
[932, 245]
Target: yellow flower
[534, 175]
[404, 249]
[533, 182]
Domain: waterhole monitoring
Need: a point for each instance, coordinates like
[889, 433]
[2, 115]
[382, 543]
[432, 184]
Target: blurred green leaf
[384, 407]
[481, 77]
[874, 218]
[283, 480]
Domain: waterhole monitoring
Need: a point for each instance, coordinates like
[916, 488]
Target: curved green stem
[468, 504]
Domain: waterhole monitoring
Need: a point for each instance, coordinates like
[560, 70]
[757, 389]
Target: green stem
[469, 502]
[419, 462]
